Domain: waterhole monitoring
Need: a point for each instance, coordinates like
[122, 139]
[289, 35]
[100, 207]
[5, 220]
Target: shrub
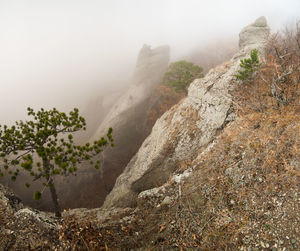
[180, 74]
[249, 66]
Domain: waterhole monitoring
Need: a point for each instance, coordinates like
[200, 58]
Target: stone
[154, 192]
[181, 177]
[127, 114]
[37, 216]
[255, 34]
[188, 128]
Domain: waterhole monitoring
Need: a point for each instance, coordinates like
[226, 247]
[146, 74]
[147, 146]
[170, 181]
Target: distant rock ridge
[188, 128]
[150, 67]
[128, 116]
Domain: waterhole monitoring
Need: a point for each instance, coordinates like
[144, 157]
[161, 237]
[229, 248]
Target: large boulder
[188, 128]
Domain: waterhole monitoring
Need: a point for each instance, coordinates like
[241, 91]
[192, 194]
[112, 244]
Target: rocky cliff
[128, 118]
[187, 129]
[150, 67]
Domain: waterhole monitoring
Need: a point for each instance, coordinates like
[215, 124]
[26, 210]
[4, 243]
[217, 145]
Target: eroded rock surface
[22, 228]
[151, 65]
[187, 129]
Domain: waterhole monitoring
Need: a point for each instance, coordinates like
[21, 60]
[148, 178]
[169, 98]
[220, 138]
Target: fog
[59, 53]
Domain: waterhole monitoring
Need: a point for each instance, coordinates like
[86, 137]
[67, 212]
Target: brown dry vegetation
[242, 182]
[244, 192]
[163, 98]
[277, 82]
[2, 215]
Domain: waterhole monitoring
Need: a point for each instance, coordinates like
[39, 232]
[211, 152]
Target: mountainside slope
[187, 128]
[242, 194]
[235, 184]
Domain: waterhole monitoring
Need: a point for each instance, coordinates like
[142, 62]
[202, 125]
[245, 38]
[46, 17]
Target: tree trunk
[54, 197]
[46, 166]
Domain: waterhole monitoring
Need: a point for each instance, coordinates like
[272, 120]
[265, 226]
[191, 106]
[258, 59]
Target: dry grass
[231, 200]
[277, 82]
[243, 193]
[237, 181]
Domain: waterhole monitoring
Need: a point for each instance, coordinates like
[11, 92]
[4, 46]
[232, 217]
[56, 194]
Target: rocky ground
[24, 228]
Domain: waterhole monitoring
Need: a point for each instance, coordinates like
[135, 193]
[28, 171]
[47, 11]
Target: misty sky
[59, 52]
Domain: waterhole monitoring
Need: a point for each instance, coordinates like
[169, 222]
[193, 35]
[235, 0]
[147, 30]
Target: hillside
[219, 171]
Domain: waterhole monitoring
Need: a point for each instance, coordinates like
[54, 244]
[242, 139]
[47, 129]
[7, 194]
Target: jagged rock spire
[255, 34]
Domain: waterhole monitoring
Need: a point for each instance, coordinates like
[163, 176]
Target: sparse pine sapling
[44, 147]
[249, 66]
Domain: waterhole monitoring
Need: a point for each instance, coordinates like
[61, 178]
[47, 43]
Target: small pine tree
[248, 65]
[39, 147]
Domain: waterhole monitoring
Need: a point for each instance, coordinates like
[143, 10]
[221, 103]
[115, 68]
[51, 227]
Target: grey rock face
[187, 128]
[151, 65]
[12, 205]
[254, 34]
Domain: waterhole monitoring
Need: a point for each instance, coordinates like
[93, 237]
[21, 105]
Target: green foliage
[180, 74]
[40, 147]
[248, 65]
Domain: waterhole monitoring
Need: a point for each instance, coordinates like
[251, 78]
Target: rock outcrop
[255, 34]
[94, 112]
[188, 128]
[22, 228]
[151, 65]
